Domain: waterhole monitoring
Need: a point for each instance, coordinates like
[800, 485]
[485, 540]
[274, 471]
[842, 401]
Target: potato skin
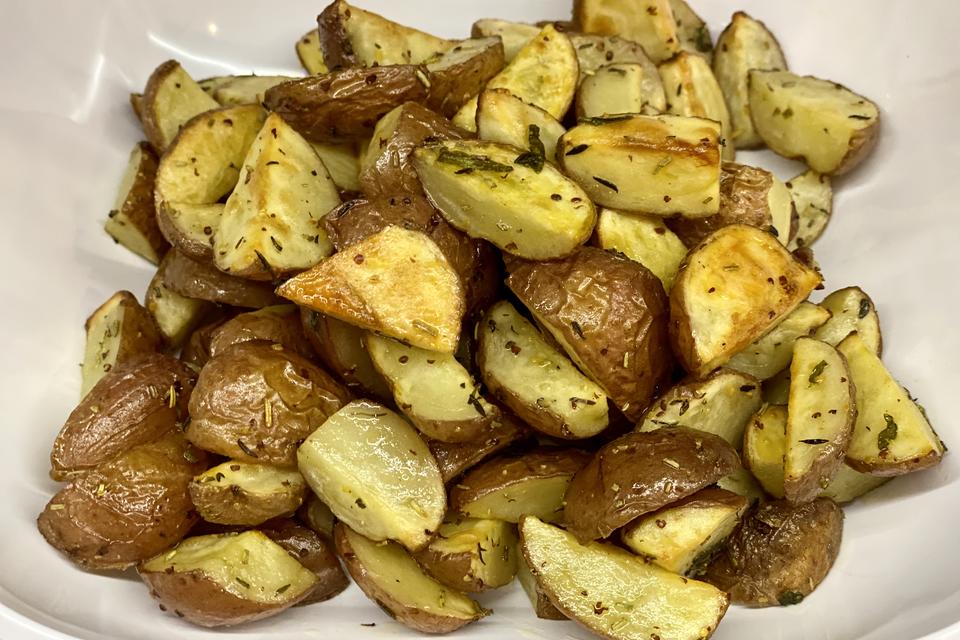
[138, 208]
[453, 458]
[194, 279]
[610, 314]
[280, 325]
[452, 85]
[228, 407]
[128, 407]
[313, 551]
[196, 350]
[128, 509]
[641, 472]
[780, 553]
[352, 365]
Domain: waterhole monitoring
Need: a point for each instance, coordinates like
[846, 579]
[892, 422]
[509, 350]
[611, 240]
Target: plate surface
[67, 129]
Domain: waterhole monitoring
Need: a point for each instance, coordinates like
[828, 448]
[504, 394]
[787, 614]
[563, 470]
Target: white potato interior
[502, 117]
[771, 354]
[852, 310]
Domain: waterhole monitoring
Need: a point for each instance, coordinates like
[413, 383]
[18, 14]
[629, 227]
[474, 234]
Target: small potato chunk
[853, 311]
[502, 117]
[771, 354]
[824, 124]
[389, 576]
[641, 472]
[539, 599]
[309, 52]
[627, 598]
[170, 98]
[500, 194]
[684, 536]
[765, 448]
[596, 51]
[462, 72]
[257, 401]
[614, 89]
[341, 350]
[433, 390]
[279, 324]
[453, 458]
[644, 239]
[515, 35]
[203, 281]
[744, 45]
[342, 162]
[721, 404]
[510, 488]
[351, 462]
[650, 23]
[732, 288]
[892, 435]
[472, 555]
[396, 282]
[779, 554]
[659, 165]
[230, 91]
[316, 515]
[848, 485]
[812, 195]
[693, 92]
[693, 31]
[315, 552]
[537, 381]
[742, 483]
[175, 315]
[246, 493]
[133, 220]
[227, 579]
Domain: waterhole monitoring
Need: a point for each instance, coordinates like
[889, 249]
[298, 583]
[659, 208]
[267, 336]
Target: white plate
[66, 130]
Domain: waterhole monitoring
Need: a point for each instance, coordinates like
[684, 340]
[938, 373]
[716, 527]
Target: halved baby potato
[176, 315]
[461, 73]
[812, 195]
[765, 448]
[472, 555]
[170, 99]
[693, 91]
[614, 89]
[340, 348]
[771, 354]
[851, 310]
[309, 53]
[644, 239]
[848, 485]
[453, 458]
[133, 220]
[742, 483]
[503, 117]
[314, 551]
[596, 51]
[246, 493]
[650, 23]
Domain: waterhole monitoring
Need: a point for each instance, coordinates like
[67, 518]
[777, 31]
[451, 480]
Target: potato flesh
[341, 162]
[812, 194]
[502, 117]
[848, 485]
[491, 546]
[852, 311]
[309, 53]
[650, 23]
[782, 210]
[694, 32]
[540, 497]
[376, 474]
[539, 600]
[175, 315]
[764, 448]
[118, 329]
[247, 493]
[515, 35]
[659, 165]
[340, 348]
[239, 90]
[742, 483]
[132, 221]
[613, 89]
[627, 598]
[596, 51]
[172, 103]
[693, 92]
[772, 353]
[376, 41]
[644, 239]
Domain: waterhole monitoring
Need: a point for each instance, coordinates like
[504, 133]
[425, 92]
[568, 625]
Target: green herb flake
[788, 598]
[243, 583]
[817, 372]
[466, 160]
[889, 433]
[702, 41]
[664, 161]
[536, 155]
[858, 117]
[473, 400]
[577, 329]
[605, 119]
[282, 589]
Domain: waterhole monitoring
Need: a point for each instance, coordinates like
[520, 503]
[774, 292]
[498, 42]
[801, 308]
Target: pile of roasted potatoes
[444, 313]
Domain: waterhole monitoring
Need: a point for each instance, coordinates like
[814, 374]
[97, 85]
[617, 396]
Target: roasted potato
[824, 124]
[644, 239]
[658, 165]
[779, 554]
[651, 23]
[693, 91]
[614, 89]
[231, 91]
[203, 281]
[851, 310]
[732, 288]
[596, 51]
[176, 315]
[765, 448]
[256, 402]
[812, 195]
[314, 551]
[279, 324]
[196, 350]
[609, 314]
[170, 98]
[771, 354]
[342, 161]
[133, 220]
[246, 493]
[453, 458]
[389, 576]
[626, 598]
[503, 117]
[309, 52]
[340, 347]
[848, 485]
[742, 483]
[462, 72]
[509, 488]
[317, 515]
[227, 579]
[693, 31]
[539, 599]
[472, 555]
[515, 35]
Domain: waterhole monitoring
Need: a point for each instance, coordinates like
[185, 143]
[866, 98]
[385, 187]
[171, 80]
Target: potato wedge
[309, 53]
[732, 288]
[826, 125]
[246, 493]
[351, 463]
[462, 72]
[509, 488]
[396, 282]
[812, 195]
[175, 315]
[543, 73]
[644, 239]
[257, 401]
[340, 347]
[227, 579]
[641, 472]
[279, 324]
[596, 51]
[170, 99]
[315, 552]
[776, 390]
[779, 554]
[614, 89]
[684, 537]
[742, 483]
[658, 165]
[771, 354]
[852, 311]
[231, 91]
[497, 193]
[317, 515]
[650, 23]
[203, 281]
[133, 220]
[693, 31]
[271, 224]
[744, 45]
[693, 91]
[892, 435]
[721, 404]
[389, 576]
[539, 599]
[503, 117]
[536, 380]
[848, 485]
[472, 555]
[627, 598]
[765, 448]
[515, 35]
[342, 162]
[453, 458]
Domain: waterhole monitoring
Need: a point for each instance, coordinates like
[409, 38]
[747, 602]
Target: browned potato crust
[641, 472]
[340, 348]
[196, 350]
[313, 551]
[133, 220]
[256, 402]
[779, 554]
[609, 314]
[201, 281]
[453, 458]
[279, 324]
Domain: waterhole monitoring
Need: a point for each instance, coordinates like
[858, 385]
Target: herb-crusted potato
[246, 493]
[644, 239]
[203, 281]
[812, 195]
[503, 117]
[693, 91]
[515, 35]
[771, 354]
[176, 315]
[309, 53]
[314, 551]
[472, 555]
[453, 458]
[133, 220]
[693, 31]
[765, 448]
[614, 89]
[279, 324]
[340, 348]
[461, 73]
[596, 51]
[851, 310]
[650, 23]
[170, 98]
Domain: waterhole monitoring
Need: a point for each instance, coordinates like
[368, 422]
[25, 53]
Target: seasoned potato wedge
[596, 51]
[497, 193]
[684, 536]
[315, 552]
[544, 73]
[640, 472]
[396, 282]
[462, 72]
[779, 554]
[133, 220]
[539, 599]
[340, 348]
[246, 493]
[742, 483]
[279, 324]
[175, 315]
[342, 162]
[351, 463]
[231, 91]
[765, 448]
[515, 35]
[732, 288]
[227, 579]
[453, 458]
[509, 488]
[644, 239]
[436, 393]
[848, 485]
[812, 195]
[821, 410]
[693, 31]
[119, 330]
[744, 45]
[389, 576]
[317, 515]
[203, 281]
[503, 117]
[852, 311]
[309, 52]
[626, 597]
[721, 404]
[170, 98]
[826, 125]
[257, 401]
[892, 435]
[609, 314]
[614, 89]
[693, 91]
[472, 555]
[534, 379]
[771, 354]
[650, 23]
[658, 165]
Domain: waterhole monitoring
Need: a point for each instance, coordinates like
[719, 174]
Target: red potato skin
[313, 551]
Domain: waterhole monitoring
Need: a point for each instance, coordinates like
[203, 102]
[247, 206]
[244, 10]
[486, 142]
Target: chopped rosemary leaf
[889, 433]
[817, 372]
[469, 161]
[607, 184]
